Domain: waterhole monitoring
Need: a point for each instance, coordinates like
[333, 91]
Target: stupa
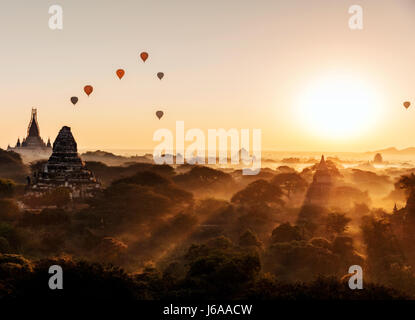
[378, 159]
[65, 169]
[319, 191]
[32, 147]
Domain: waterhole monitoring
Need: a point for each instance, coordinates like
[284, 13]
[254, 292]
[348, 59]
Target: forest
[199, 232]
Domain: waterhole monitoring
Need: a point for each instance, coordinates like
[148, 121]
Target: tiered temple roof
[33, 144]
[319, 191]
[66, 169]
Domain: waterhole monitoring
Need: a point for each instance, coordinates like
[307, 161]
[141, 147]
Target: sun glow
[338, 107]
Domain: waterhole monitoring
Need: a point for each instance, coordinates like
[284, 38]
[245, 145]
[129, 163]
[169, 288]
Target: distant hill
[393, 150]
[101, 155]
[12, 167]
[114, 160]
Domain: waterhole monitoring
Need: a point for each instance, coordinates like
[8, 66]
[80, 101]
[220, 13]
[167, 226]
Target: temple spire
[33, 129]
[322, 165]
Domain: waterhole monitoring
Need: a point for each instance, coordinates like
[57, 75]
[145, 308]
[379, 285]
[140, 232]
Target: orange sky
[230, 64]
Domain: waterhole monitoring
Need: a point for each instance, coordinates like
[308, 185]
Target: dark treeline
[198, 232]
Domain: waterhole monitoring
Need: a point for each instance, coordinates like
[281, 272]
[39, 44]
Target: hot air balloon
[74, 100]
[88, 89]
[120, 73]
[406, 104]
[144, 56]
[159, 114]
[160, 75]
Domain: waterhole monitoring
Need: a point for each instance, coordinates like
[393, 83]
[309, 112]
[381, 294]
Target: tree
[4, 245]
[7, 188]
[11, 234]
[290, 183]
[382, 248]
[59, 196]
[145, 178]
[285, 233]
[47, 217]
[259, 191]
[407, 182]
[204, 179]
[12, 167]
[310, 219]
[336, 223]
[218, 271]
[300, 261]
[249, 239]
[9, 211]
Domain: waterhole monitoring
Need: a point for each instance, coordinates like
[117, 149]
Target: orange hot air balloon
[406, 104]
[120, 73]
[88, 89]
[144, 56]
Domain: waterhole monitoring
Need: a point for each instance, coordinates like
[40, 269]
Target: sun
[338, 106]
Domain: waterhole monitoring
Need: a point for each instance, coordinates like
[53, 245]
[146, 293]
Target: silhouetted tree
[249, 239]
[259, 191]
[285, 233]
[290, 183]
[7, 188]
[336, 223]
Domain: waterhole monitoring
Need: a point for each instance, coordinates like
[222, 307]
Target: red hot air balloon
[120, 73]
[160, 75]
[144, 56]
[88, 89]
[406, 104]
[74, 100]
[159, 114]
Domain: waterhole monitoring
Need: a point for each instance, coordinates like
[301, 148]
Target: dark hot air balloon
[406, 104]
[159, 114]
[160, 75]
[74, 100]
[88, 89]
[120, 73]
[144, 56]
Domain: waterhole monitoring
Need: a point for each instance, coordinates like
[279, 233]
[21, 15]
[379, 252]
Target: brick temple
[319, 192]
[33, 145]
[65, 169]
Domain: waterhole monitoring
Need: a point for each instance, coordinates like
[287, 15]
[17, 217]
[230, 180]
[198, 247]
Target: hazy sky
[227, 63]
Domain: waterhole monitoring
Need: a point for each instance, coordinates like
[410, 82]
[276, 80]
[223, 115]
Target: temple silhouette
[33, 145]
[318, 193]
[65, 169]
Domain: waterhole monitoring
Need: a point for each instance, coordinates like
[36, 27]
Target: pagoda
[65, 169]
[33, 145]
[319, 191]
